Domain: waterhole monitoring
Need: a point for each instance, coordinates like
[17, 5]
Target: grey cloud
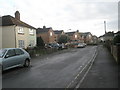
[99, 11]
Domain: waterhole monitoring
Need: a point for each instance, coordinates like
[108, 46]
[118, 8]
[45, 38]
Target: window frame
[21, 43]
[31, 31]
[8, 54]
[22, 52]
[20, 30]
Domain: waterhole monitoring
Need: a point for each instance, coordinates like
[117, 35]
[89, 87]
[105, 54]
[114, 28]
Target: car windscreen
[2, 52]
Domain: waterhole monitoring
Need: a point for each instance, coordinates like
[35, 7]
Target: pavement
[103, 73]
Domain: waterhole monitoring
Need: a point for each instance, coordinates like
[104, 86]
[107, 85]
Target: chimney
[17, 15]
[44, 27]
[77, 31]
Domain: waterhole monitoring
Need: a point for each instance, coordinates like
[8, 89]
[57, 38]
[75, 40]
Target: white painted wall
[8, 37]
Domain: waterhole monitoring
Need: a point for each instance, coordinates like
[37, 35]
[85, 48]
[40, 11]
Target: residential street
[56, 70]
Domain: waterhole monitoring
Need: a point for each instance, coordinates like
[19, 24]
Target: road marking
[86, 72]
[91, 61]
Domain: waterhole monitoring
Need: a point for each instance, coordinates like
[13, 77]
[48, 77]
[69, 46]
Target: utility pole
[105, 26]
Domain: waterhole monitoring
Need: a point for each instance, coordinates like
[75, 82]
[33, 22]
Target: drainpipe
[15, 34]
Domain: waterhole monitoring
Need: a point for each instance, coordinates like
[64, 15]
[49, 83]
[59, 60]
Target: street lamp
[105, 26]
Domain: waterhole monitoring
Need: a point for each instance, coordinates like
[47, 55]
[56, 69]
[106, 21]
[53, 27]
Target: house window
[21, 43]
[89, 36]
[20, 30]
[75, 36]
[31, 31]
[51, 34]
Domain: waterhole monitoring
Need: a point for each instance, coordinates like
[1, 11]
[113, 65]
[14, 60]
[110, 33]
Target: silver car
[81, 45]
[14, 57]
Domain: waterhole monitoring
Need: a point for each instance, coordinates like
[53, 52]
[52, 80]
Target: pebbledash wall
[26, 36]
[10, 37]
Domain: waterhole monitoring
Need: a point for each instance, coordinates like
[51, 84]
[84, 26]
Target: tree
[40, 42]
[117, 38]
[63, 39]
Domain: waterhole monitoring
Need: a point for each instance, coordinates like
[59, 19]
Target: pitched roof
[58, 32]
[85, 34]
[9, 20]
[42, 30]
[70, 33]
[109, 34]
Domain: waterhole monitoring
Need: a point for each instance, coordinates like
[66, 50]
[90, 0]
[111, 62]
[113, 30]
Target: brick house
[74, 36]
[58, 33]
[87, 37]
[16, 33]
[47, 34]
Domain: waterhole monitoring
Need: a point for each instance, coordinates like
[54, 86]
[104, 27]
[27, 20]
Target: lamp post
[105, 26]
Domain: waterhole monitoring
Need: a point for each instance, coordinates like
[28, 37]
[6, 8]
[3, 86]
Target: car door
[9, 59]
[20, 56]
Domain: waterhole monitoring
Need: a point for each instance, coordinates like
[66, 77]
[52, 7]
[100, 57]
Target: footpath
[103, 73]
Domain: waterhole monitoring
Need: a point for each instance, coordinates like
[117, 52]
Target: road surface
[51, 71]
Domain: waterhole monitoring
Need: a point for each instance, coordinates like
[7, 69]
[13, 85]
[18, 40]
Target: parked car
[48, 46]
[54, 45]
[81, 45]
[14, 57]
[61, 46]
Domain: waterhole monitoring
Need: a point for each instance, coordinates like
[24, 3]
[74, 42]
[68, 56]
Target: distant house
[47, 34]
[74, 36]
[101, 38]
[58, 33]
[109, 36]
[95, 39]
[16, 33]
[87, 37]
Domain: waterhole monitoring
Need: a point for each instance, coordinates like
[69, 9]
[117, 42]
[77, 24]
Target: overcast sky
[82, 15]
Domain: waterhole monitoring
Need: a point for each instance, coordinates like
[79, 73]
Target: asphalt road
[51, 71]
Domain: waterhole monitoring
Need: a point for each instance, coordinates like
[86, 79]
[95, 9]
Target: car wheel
[26, 63]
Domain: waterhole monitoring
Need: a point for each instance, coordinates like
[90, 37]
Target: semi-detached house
[16, 33]
[58, 34]
[47, 34]
[74, 36]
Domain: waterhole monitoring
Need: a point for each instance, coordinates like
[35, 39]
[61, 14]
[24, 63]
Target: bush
[116, 39]
[40, 42]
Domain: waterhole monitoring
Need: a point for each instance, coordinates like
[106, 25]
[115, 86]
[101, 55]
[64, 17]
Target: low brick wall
[39, 51]
[118, 54]
[114, 51]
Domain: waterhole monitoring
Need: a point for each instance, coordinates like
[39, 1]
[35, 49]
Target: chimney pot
[17, 15]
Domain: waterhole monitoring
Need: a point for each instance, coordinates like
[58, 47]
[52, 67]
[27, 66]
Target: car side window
[19, 52]
[10, 53]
